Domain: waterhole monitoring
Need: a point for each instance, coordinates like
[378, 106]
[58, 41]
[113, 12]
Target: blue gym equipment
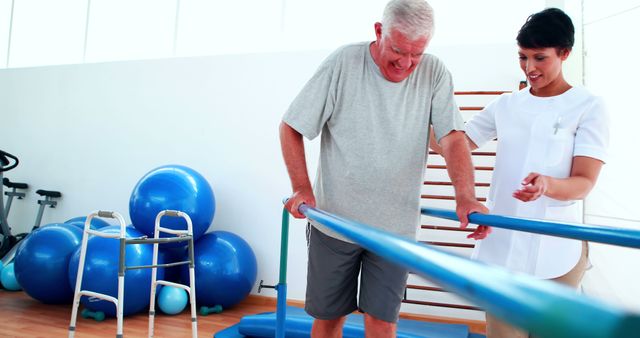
[42, 260]
[226, 263]
[127, 249]
[172, 300]
[172, 187]
[96, 223]
[543, 308]
[101, 271]
[8, 278]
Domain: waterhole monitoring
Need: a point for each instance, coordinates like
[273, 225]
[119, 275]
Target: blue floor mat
[298, 325]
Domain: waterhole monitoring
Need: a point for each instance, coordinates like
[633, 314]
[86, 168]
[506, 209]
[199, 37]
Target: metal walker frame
[181, 236]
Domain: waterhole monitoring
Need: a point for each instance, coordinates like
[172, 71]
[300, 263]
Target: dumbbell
[205, 310]
[98, 316]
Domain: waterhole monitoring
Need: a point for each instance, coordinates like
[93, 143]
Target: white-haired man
[373, 103]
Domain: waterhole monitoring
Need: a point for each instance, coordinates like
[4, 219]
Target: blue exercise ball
[225, 269]
[172, 187]
[96, 223]
[172, 300]
[8, 278]
[172, 255]
[101, 272]
[42, 261]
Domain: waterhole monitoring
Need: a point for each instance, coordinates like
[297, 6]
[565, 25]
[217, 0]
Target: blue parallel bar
[586, 232]
[544, 308]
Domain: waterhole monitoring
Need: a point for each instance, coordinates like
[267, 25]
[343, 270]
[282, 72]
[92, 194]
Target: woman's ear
[564, 53]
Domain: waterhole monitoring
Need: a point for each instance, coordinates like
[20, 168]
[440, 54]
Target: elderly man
[373, 103]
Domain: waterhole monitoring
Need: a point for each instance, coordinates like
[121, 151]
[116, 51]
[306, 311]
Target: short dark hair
[550, 28]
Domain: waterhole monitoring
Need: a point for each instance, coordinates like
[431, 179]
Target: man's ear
[378, 29]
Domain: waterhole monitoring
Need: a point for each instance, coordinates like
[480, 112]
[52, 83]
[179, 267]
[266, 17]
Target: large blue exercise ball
[8, 278]
[100, 272]
[42, 260]
[96, 223]
[172, 187]
[225, 269]
[172, 300]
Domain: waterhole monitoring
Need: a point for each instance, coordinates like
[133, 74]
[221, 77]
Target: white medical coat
[537, 134]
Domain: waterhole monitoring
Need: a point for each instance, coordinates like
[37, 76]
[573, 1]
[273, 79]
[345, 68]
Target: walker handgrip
[106, 214]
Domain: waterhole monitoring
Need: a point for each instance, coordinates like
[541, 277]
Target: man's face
[397, 55]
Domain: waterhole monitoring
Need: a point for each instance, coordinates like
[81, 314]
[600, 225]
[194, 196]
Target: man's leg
[332, 283]
[382, 286]
[376, 328]
[327, 328]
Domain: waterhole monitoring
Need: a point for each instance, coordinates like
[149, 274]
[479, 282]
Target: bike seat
[48, 193]
[16, 185]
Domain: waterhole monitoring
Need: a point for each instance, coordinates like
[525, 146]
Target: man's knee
[327, 327]
[375, 327]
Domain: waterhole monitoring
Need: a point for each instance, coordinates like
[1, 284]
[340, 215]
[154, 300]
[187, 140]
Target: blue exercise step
[298, 325]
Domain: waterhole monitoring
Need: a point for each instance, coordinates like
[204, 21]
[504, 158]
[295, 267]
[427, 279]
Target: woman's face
[543, 69]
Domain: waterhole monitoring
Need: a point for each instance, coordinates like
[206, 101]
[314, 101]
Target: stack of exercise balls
[225, 265]
[46, 264]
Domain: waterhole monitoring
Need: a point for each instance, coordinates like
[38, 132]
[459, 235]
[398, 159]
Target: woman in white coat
[552, 141]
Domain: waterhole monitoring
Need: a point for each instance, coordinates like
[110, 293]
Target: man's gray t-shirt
[374, 142]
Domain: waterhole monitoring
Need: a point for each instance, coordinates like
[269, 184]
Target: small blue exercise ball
[42, 261]
[96, 223]
[172, 300]
[101, 272]
[8, 278]
[225, 269]
[172, 187]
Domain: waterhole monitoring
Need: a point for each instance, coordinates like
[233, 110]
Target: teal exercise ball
[8, 278]
[172, 300]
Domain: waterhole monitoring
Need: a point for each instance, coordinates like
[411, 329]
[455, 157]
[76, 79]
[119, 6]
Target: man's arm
[433, 142]
[457, 155]
[294, 158]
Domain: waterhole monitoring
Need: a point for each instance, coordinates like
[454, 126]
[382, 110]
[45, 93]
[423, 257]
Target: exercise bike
[9, 243]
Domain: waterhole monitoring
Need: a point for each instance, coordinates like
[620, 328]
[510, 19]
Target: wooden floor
[22, 316]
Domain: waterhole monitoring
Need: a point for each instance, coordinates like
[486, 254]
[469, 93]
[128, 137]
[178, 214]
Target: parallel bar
[544, 308]
[585, 232]
[471, 108]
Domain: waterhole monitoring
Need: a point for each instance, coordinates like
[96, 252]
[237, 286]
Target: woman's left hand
[533, 186]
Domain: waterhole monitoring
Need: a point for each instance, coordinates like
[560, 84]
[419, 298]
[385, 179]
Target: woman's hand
[533, 186]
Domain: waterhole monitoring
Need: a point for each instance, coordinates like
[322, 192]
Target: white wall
[611, 55]
[91, 131]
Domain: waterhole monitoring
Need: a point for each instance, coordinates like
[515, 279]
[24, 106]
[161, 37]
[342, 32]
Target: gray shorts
[332, 280]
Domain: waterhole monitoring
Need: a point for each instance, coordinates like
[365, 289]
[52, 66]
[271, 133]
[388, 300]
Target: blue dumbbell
[98, 316]
[205, 310]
